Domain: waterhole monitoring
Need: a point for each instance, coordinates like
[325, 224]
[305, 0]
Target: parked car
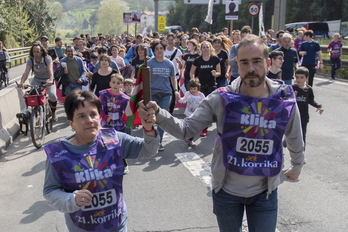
[320, 29]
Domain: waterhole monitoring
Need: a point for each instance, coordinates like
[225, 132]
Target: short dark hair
[245, 29]
[309, 33]
[279, 32]
[102, 49]
[76, 99]
[302, 70]
[57, 39]
[156, 42]
[275, 54]
[251, 38]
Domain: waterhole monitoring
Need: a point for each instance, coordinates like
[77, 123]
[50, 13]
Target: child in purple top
[335, 50]
[114, 103]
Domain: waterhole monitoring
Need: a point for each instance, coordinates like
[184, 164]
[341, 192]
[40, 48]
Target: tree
[15, 24]
[110, 17]
[42, 16]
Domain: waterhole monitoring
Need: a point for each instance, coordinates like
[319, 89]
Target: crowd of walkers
[221, 77]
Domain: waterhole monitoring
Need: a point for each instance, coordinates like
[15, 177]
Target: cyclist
[4, 57]
[40, 63]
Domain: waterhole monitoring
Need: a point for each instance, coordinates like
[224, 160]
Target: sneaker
[187, 141]
[161, 148]
[54, 117]
[126, 170]
[204, 133]
[192, 144]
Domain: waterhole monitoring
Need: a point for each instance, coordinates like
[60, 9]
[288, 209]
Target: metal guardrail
[18, 55]
[327, 60]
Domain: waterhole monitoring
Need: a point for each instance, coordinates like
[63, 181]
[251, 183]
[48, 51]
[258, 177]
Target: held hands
[148, 113]
[83, 197]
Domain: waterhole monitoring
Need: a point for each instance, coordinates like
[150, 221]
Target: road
[171, 192]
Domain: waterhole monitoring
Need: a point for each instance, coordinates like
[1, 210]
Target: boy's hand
[320, 110]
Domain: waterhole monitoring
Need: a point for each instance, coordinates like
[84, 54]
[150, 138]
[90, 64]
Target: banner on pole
[231, 10]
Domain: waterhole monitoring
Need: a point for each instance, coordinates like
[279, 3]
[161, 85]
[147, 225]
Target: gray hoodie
[212, 110]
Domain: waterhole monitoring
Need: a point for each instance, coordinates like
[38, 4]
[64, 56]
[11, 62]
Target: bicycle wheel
[1, 79]
[37, 127]
[49, 121]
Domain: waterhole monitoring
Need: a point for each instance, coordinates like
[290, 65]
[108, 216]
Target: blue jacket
[131, 54]
[81, 68]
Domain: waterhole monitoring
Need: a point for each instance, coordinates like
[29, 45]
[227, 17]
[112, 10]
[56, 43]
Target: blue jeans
[221, 82]
[261, 212]
[288, 82]
[71, 86]
[163, 101]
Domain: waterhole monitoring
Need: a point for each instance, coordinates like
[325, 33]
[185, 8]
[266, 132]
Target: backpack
[57, 74]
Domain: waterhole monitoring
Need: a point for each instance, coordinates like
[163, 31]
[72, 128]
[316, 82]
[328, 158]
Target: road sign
[253, 9]
[200, 2]
[161, 23]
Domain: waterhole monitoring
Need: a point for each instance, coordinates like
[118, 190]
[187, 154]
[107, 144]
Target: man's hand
[148, 111]
[291, 176]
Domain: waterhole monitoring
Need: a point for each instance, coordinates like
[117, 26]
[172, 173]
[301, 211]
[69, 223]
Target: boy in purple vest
[114, 103]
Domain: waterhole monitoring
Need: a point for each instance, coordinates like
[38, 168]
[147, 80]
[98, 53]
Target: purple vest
[101, 172]
[113, 106]
[253, 132]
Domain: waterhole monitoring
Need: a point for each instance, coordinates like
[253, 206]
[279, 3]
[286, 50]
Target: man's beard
[251, 82]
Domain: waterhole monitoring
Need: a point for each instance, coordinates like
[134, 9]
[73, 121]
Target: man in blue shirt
[309, 51]
[290, 58]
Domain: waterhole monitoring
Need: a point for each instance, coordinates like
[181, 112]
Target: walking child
[128, 86]
[335, 50]
[277, 60]
[193, 98]
[304, 96]
[114, 103]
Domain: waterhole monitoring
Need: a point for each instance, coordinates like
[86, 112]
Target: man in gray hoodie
[252, 116]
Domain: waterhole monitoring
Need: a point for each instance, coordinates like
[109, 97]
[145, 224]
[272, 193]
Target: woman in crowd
[162, 79]
[187, 60]
[102, 77]
[221, 49]
[115, 57]
[84, 171]
[208, 65]
[141, 54]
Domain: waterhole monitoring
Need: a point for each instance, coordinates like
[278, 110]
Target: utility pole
[156, 14]
[279, 14]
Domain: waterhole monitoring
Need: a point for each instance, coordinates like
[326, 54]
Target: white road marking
[196, 166]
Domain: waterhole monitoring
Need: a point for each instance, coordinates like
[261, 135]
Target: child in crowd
[335, 50]
[91, 65]
[128, 86]
[193, 98]
[277, 60]
[114, 103]
[304, 96]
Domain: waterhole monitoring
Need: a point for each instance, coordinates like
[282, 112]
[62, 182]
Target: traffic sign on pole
[253, 9]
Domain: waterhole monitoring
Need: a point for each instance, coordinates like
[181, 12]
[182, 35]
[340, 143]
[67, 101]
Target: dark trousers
[335, 64]
[312, 71]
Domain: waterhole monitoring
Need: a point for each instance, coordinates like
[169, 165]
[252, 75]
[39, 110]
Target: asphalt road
[171, 192]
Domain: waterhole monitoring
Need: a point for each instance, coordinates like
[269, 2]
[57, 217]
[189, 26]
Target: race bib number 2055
[101, 200]
[255, 146]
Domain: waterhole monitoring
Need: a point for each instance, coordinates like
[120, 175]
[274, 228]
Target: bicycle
[3, 79]
[41, 121]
